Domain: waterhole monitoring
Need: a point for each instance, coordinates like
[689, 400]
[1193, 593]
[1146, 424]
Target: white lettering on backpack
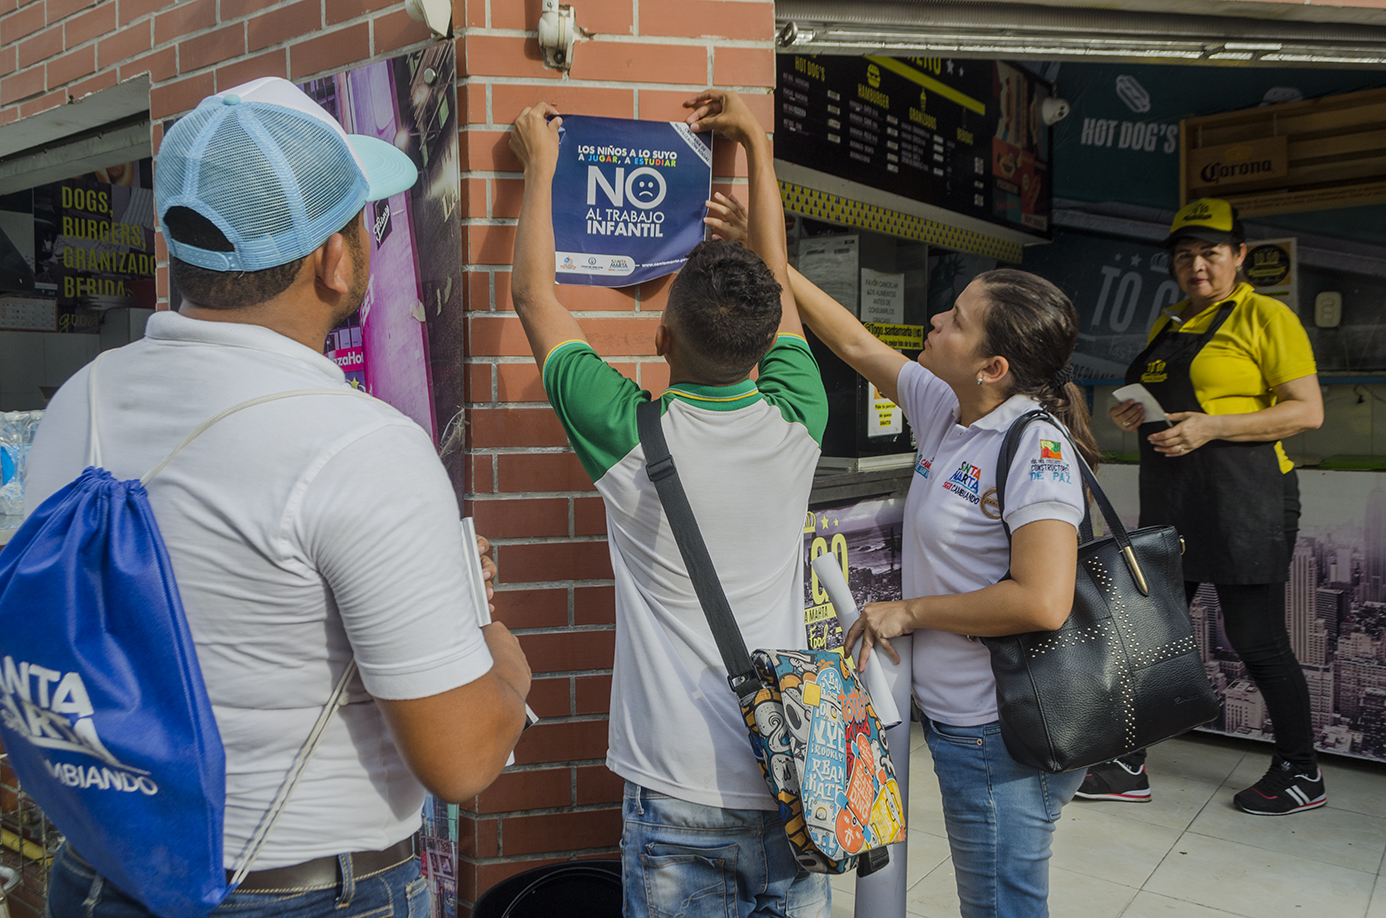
[52, 710]
[76, 776]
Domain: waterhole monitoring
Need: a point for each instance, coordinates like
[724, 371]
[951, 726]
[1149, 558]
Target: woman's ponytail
[1069, 405]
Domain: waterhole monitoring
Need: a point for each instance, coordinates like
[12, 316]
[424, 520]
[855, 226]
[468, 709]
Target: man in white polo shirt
[302, 532]
[700, 825]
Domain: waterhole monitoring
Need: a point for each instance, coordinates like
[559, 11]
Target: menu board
[70, 250]
[964, 135]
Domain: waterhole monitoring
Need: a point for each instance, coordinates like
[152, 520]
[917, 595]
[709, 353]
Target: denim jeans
[75, 890]
[1000, 818]
[685, 860]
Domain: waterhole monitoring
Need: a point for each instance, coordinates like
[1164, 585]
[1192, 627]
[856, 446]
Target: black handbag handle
[659, 465]
[1009, 447]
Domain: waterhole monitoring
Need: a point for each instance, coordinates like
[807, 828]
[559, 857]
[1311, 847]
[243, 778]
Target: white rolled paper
[829, 570]
[882, 895]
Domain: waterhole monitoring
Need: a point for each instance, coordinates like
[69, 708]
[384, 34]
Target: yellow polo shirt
[1260, 346]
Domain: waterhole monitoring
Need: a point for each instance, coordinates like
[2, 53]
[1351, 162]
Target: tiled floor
[1188, 853]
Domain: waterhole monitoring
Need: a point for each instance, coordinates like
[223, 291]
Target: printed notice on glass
[831, 262]
[884, 417]
[882, 297]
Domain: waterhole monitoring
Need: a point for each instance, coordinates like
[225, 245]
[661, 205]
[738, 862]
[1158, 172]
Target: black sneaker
[1283, 791]
[1115, 780]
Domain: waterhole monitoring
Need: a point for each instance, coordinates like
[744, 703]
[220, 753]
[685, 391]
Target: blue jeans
[1000, 817]
[685, 860]
[75, 890]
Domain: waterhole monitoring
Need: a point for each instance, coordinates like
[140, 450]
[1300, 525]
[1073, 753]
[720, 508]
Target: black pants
[1253, 615]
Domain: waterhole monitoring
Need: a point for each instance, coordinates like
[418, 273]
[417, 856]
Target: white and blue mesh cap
[273, 171]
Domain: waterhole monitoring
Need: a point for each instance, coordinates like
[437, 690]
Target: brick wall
[528, 490]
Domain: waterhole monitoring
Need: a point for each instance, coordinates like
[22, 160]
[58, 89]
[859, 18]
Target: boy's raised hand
[727, 218]
[725, 112]
[534, 141]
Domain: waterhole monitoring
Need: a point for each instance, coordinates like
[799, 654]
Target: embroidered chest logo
[923, 466]
[991, 507]
[965, 482]
[1155, 371]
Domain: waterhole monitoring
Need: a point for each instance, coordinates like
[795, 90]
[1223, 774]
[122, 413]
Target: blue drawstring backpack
[102, 706]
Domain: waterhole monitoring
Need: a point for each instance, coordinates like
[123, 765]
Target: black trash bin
[580, 889]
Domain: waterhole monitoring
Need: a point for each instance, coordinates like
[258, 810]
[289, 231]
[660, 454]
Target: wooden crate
[1297, 156]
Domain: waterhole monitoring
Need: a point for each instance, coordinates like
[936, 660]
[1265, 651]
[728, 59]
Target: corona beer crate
[1295, 156]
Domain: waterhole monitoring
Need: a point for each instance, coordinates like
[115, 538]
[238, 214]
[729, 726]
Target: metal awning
[106, 127]
[1038, 32]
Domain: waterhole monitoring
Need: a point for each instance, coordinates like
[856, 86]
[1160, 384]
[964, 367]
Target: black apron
[1226, 499]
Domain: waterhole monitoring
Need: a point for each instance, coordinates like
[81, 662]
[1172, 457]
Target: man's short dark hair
[725, 308]
[228, 289]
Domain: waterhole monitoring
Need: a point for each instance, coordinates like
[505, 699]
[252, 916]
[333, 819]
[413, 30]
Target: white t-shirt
[746, 454]
[954, 542]
[301, 532]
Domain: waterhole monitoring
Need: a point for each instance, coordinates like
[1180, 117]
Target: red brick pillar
[639, 59]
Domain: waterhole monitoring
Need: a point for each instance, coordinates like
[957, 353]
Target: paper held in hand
[1153, 411]
[476, 581]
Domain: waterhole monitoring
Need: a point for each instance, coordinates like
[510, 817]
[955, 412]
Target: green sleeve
[595, 403]
[791, 381]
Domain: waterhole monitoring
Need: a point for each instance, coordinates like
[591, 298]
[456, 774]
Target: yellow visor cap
[1210, 219]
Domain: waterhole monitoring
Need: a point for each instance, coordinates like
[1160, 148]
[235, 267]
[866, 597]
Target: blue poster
[628, 199]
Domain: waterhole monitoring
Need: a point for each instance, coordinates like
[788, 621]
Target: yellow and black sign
[1267, 265]
[900, 337]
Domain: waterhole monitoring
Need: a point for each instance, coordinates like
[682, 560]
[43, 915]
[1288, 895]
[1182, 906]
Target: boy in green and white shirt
[746, 453]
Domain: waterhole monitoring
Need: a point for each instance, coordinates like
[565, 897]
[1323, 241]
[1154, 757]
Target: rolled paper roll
[829, 571]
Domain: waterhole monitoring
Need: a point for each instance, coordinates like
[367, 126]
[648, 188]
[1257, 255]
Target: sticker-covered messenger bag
[813, 730]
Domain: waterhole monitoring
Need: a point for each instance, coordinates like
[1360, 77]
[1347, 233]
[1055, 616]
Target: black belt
[323, 872]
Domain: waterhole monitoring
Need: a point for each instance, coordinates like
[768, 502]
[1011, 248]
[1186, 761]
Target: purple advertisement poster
[866, 539]
[404, 345]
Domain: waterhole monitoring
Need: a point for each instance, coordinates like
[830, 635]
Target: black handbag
[1123, 672]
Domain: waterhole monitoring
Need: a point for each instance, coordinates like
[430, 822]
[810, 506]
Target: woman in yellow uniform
[1235, 373]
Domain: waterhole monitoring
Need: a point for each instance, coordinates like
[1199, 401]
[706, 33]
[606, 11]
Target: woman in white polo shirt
[1001, 351]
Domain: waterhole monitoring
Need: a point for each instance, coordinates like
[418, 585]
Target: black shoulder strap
[659, 465]
[1114, 527]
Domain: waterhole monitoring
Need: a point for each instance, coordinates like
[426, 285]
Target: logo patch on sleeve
[1051, 464]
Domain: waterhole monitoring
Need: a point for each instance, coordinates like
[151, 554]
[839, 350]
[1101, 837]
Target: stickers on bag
[834, 751]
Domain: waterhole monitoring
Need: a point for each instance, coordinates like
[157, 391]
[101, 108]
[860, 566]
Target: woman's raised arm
[847, 337]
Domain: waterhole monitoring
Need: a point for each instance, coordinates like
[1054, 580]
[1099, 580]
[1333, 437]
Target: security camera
[557, 34]
[1054, 110]
[436, 14]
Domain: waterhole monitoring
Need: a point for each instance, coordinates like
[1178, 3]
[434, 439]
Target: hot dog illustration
[1130, 91]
